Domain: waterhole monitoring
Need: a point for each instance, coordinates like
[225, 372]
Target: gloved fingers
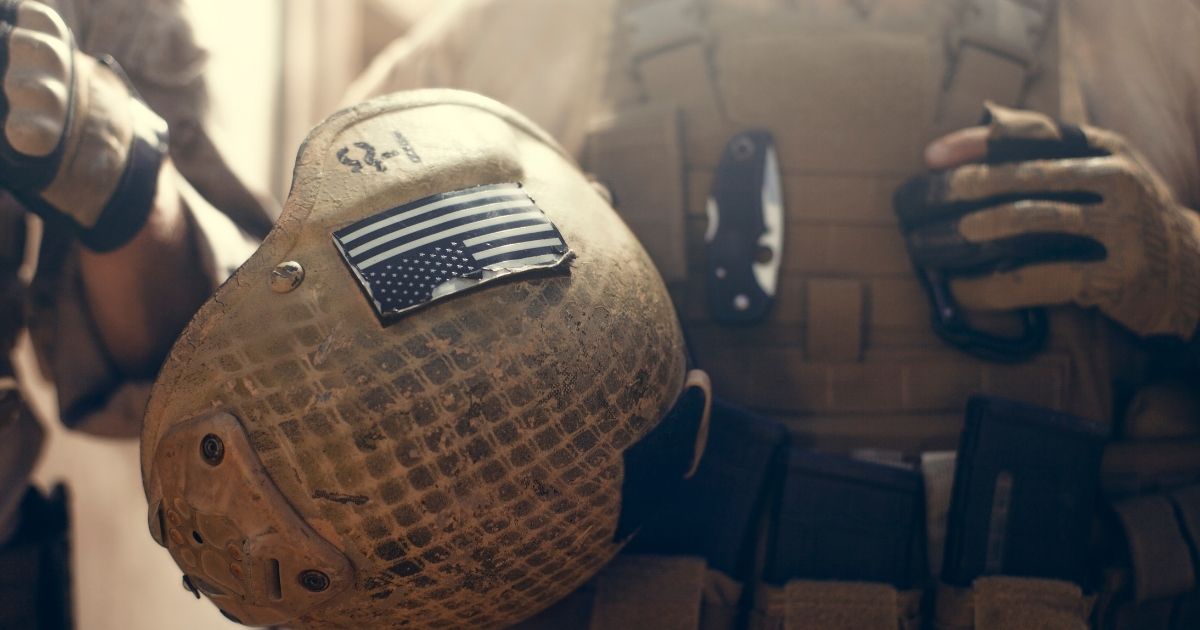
[38, 69]
[965, 146]
[1006, 236]
[951, 194]
[943, 247]
[1027, 216]
[1016, 135]
[1038, 285]
[39, 17]
[37, 90]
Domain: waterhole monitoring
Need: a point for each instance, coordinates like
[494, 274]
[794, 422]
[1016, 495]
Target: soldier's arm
[142, 294]
[80, 148]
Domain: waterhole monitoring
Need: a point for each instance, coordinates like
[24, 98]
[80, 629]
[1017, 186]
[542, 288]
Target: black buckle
[953, 327]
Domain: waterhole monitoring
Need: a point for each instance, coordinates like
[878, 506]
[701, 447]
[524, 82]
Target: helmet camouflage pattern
[326, 449]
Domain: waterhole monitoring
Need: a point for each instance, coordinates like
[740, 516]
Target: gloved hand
[1058, 214]
[77, 142]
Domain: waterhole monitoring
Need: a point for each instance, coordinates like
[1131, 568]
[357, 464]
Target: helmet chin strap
[665, 458]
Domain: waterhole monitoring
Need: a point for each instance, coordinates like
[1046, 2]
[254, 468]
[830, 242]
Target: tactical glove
[1058, 214]
[77, 142]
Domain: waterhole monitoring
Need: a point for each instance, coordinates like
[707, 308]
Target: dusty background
[276, 69]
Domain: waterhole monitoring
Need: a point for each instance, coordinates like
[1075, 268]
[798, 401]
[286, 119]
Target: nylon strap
[994, 49]
[1004, 603]
[1187, 508]
[644, 591]
[659, 25]
[809, 605]
[1158, 548]
[1010, 603]
[649, 592]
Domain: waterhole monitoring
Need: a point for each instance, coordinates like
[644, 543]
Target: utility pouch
[717, 513]
[35, 579]
[848, 520]
[846, 549]
[1025, 493]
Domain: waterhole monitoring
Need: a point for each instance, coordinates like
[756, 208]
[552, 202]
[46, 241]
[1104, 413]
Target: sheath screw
[212, 449]
[314, 581]
[743, 148]
[286, 276]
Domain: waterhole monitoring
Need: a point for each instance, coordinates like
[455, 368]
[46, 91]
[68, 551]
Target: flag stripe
[542, 226]
[433, 238]
[517, 247]
[493, 242]
[517, 217]
[445, 218]
[527, 262]
[424, 207]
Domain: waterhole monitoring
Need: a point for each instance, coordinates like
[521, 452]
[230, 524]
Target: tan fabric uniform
[153, 42]
[853, 90]
[852, 330]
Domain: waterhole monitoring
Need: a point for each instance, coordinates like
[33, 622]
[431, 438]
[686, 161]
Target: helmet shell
[461, 466]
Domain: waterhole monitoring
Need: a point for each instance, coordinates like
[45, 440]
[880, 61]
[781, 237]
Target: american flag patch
[440, 245]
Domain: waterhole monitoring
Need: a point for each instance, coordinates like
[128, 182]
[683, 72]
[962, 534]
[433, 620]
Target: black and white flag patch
[434, 247]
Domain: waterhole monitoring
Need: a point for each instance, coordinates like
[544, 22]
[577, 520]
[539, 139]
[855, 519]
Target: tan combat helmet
[442, 394]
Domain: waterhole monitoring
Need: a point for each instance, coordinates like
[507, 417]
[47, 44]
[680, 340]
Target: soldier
[754, 148]
[129, 247]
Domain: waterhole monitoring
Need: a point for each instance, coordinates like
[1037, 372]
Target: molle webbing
[846, 355]
[1162, 534]
[997, 51]
[1011, 603]
[644, 591]
[805, 605]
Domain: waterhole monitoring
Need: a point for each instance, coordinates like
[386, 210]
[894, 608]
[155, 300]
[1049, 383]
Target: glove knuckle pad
[35, 16]
[38, 101]
[36, 91]
[1121, 173]
[32, 133]
[29, 50]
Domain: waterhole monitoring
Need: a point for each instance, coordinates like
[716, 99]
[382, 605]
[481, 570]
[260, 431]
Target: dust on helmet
[443, 393]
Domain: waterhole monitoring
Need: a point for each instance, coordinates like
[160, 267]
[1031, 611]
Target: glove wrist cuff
[106, 194]
[126, 211]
